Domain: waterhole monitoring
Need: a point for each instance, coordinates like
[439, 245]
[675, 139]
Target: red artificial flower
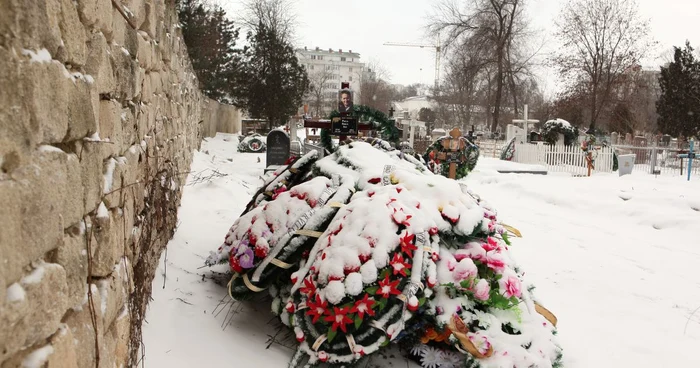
[350, 269]
[370, 194]
[418, 205]
[291, 159]
[450, 219]
[399, 265]
[269, 226]
[363, 306]
[278, 191]
[339, 318]
[252, 238]
[312, 202]
[233, 262]
[364, 257]
[387, 287]
[400, 218]
[309, 287]
[372, 241]
[317, 309]
[374, 180]
[398, 189]
[337, 231]
[407, 245]
[261, 252]
[433, 231]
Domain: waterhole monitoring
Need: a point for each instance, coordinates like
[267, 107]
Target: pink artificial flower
[482, 289]
[451, 263]
[495, 261]
[465, 270]
[510, 286]
[491, 245]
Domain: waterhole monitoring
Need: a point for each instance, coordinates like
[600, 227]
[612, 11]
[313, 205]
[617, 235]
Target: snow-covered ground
[615, 258]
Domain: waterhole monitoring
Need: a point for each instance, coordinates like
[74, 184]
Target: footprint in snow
[625, 196]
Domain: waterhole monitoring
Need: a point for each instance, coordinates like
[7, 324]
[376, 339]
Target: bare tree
[317, 97]
[601, 40]
[490, 24]
[375, 90]
[276, 15]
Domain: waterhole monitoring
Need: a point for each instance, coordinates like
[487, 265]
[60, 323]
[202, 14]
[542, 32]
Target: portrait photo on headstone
[345, 101]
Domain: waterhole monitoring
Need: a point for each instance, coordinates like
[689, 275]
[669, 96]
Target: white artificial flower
[431, 357]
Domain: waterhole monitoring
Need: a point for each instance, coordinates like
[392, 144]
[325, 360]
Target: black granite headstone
[277, 148]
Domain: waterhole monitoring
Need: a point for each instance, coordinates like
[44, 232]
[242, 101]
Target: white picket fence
[560, 158]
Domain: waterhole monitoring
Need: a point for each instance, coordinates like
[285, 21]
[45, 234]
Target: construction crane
[437, 48]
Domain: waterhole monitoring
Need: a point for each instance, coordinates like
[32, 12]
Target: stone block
[64, 347]
[72, 256]
[109, 235]
[123, 68]
[144, 50]
[110, 123]
[114, 190]
[135, 10]
[129, 129]
[92, 156]
[81, 325]
[114, 291]
[73, 48]
[151, 18]
[146, 91]
[37, 314]
[118, 28]
[98, 63]
[30, 24]
[40, 202]
[18, 133]
[120, 330]
[96, 13]
[156, 83]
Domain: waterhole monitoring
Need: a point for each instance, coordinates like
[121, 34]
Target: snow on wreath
[366, 247]
[252, 143]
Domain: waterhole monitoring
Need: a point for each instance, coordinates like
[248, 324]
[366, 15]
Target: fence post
[653, 160]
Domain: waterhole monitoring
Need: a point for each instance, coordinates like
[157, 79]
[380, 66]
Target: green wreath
[508, 151]
[467, 158]
[552, 129]
[381, 122]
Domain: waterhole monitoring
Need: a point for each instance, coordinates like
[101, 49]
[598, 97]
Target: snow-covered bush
[366, 247]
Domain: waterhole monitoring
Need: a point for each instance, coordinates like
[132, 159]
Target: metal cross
[690, 156]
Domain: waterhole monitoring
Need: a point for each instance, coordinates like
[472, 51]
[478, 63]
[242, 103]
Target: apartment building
[329, 68]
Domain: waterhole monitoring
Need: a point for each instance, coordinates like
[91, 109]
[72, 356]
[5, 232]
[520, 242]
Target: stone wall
[99, 115]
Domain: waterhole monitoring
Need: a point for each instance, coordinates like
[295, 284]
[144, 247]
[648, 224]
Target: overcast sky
[364, 25]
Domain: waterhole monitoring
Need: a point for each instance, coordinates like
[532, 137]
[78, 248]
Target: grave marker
[453, 145]
[277, 148]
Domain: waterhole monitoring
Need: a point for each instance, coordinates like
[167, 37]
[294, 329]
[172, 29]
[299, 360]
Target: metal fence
[659, 160]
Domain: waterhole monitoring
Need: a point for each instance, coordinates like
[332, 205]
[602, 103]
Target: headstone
[561, 140]
[625, 164]
[513, 131]
[628, 139]
[277, 148]
[640, 141]
[666, 140]
[614, 137]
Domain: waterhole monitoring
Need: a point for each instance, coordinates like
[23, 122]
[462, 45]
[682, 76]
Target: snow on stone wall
[96, 96]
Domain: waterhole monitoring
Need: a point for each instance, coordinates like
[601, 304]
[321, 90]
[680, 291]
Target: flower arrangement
[366, 247]
[252, 143]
